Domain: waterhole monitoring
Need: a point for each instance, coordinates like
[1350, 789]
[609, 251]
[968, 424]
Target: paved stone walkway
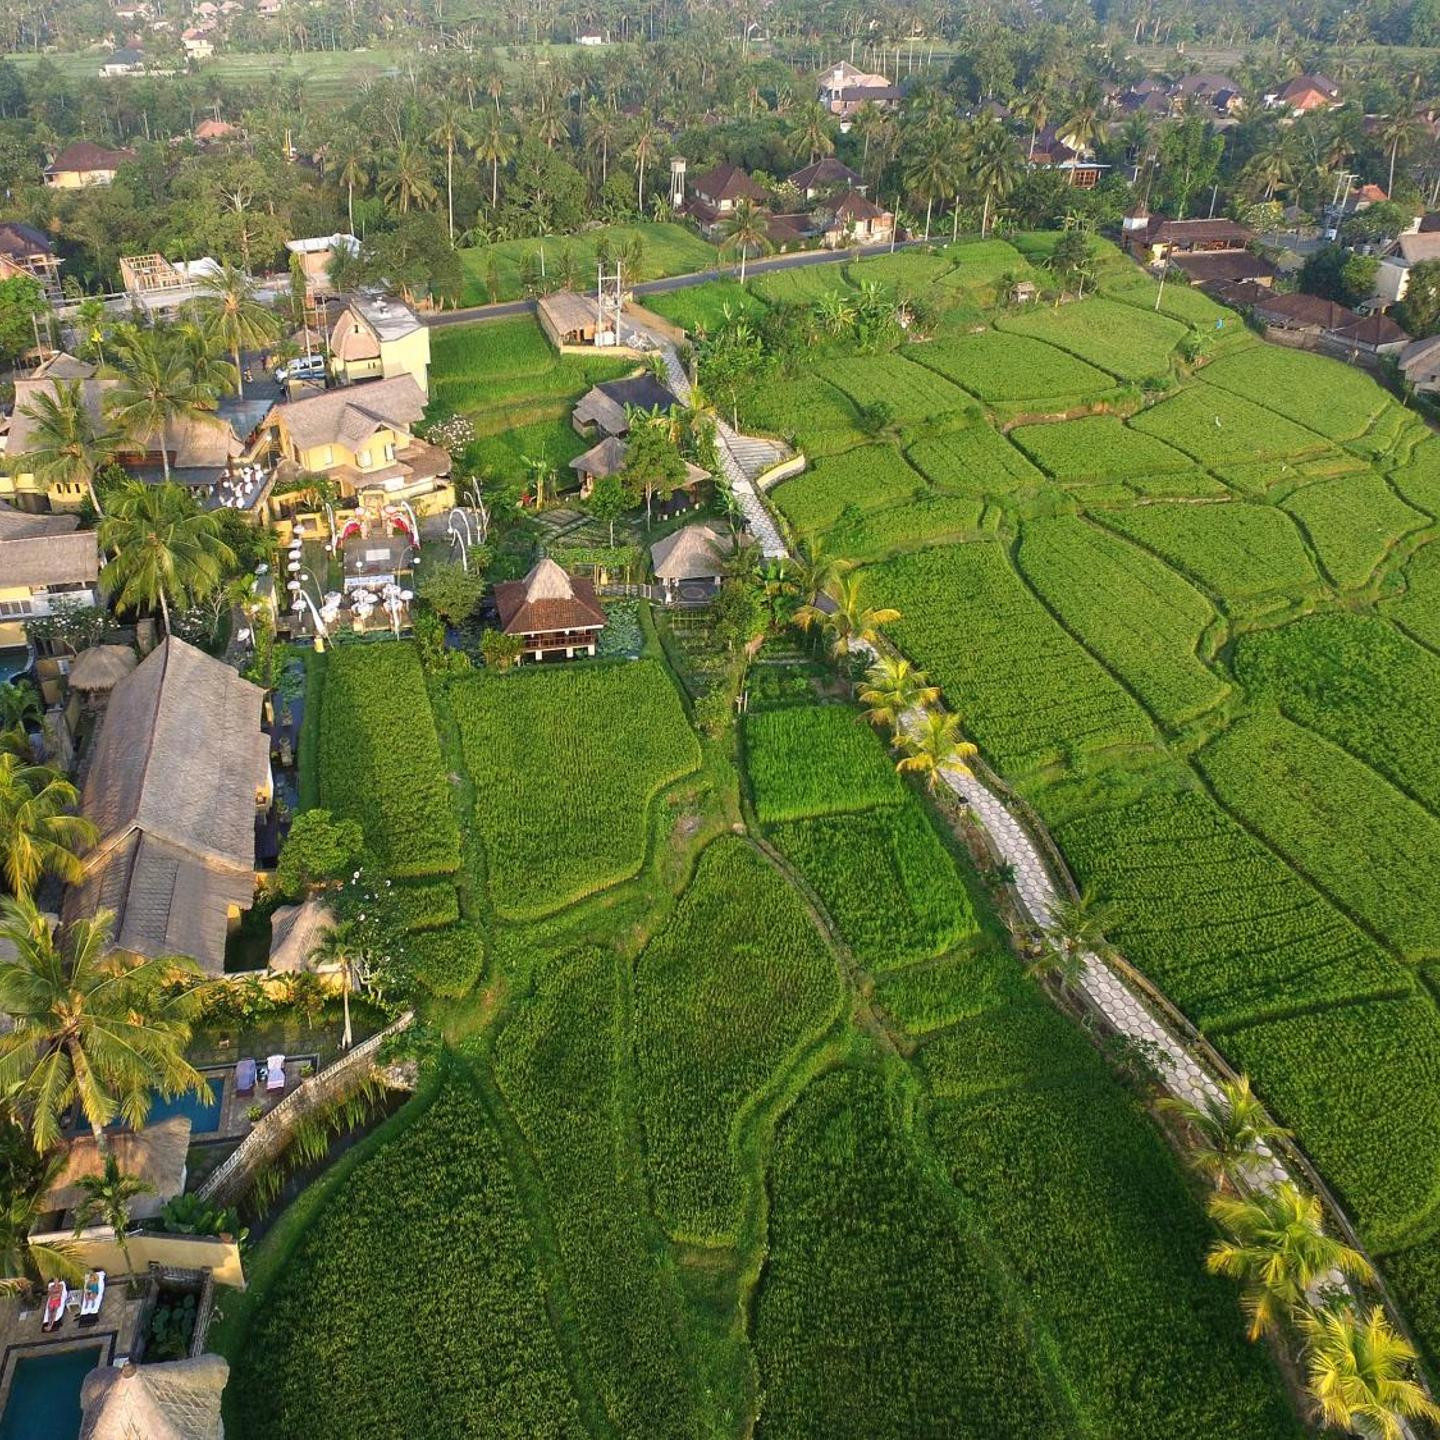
[757, 517]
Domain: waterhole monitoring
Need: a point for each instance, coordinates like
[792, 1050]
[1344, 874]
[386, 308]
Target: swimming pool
[204, 1112]
[44, 1399]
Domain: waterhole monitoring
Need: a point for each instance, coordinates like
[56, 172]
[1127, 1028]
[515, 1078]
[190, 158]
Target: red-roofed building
[83, 164]
[715, 193]
[854, 220]
[556, 615]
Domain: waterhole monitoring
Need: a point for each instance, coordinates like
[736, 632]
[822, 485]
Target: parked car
[307, 367]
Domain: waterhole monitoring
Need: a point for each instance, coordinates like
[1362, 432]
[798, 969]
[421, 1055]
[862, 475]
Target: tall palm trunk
[929, 205]
[450, 190]
[350, 203]
[164, 610]
[239, 379]
[494, 182]
[345, 1001]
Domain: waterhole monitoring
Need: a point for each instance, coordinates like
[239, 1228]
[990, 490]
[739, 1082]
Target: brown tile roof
[20, 241]
[727, 182]
[1303, 310]
[548, 599]
[1196, 232]
[85, 155]
[1372, 331]
[1231, 265]
[353, 413]
[854, 206]
[828, 171]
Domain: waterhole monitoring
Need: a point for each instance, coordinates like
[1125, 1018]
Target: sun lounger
[56, 1294]
[275, 1073]
[245, 1077]
[91, 1296]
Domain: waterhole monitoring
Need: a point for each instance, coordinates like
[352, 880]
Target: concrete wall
[96, 1249]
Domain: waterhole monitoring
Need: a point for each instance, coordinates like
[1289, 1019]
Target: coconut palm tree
[233, 319]
[211, 371]
[1227, 1128]
[815, 571]
[155, 389]
[348, 158]
[165, 549]
[88, 1025]
[22, 1202]
[745, 230]
[1033, 106]
[39, 834]
[451, 130]
[68, 442]
[848, 621]
[493, 147]
[892, 688]
[809, 132]
[642, 151]
[602, 132]
[1278, 1250]
[1076, 930]
[406, 177]
[336, 949]
[1397, 135]
[994, 164]
[935, 746]
[934, 170]
[1084, 121]
[107, 1198]
[1361, 1373]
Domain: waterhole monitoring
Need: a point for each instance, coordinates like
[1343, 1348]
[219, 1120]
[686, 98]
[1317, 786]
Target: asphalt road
[507, 308]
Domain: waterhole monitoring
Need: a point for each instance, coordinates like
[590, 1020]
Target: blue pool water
[44, 1399]
[204, 1113]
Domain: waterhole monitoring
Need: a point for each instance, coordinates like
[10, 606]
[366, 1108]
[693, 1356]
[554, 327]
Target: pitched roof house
[1420, 363]
[690, 563]
[555, 614]
[715, 193]
[84, 164]
[825, 175]
[378, 337]
[128, 60]
[844, 88]
[603, 408]
[24, 250]
[42, 558]
[857, 221]
[181, 769]
[1306, 93]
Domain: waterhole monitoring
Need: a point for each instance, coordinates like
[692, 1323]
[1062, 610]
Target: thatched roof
[606, 458]
[102, 667]
[172, 791]
[175, 1400]
[156, 1154]
[569, 312]
[695, 553]
[548, 599]
[43, 550]
[295, 931]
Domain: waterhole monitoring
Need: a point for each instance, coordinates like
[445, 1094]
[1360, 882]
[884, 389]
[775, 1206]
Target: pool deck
[234, 1121]
[20, 1334]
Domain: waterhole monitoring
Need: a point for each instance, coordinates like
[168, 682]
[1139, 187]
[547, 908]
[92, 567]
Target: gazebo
[95, 672]
[174, 1400]
[690, 564]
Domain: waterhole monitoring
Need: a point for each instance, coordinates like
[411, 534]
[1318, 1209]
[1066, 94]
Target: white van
[307, 367]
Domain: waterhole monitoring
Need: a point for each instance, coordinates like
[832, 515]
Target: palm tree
[1360, 1373]
[165, 547]
[1227, 1128]
[892, 688]
[451, 129]
[210, 370]
[810, 132]
[850, 622]
[233, 319]
[541, 469]
[934, 172]
[642, 151]
[602, 130]
[835, 311]
[1032, 105]
[68, 444]
[24, 1202]
[39, 834]
[744, 230]
[1397, 135]
[1084, 122]
[154, 389]
[107, 1197]
[935, 746]
[493, 148]
[405, 176]
[995, 167]
[89, 1025]
[20, 707]
[348, 156]
[1278, 1250]
[335, 949]
[1076, 930]
[815, 571]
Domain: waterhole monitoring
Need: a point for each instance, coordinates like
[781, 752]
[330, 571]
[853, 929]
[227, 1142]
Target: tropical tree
[815, 570]
[20, 706]
[1084, 121]
[107, 1198]
[935, 746]
[336, 950]
[348, 157]
[39, 834]
[745, 230]
[25, 1183]
[642, 150]
[1361, 1373]
[233, 320]
[892, 688]
[210, 370]
[88, 1025]
[406, 178]
[494, 147]
[995, 165]
[1033, 107]
[847, 620]
[543, 474]
[165, 549]
[69, 443]
[154, 390]
[1398, 135]
[810, 131]
[451, 130]
[1227, 1128]
[1278, 1250]
[934, 169]
[835, 311]
[1075, 931]
[602, 133]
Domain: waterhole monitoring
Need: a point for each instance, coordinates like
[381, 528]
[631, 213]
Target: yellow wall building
[378, 338]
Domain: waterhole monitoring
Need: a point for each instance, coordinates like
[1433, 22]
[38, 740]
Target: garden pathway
[757, 517]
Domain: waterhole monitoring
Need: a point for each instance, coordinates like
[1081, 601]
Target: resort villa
[179, 775]
[84, 164]
[604, 409]
[556, 615]
[42, 558]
